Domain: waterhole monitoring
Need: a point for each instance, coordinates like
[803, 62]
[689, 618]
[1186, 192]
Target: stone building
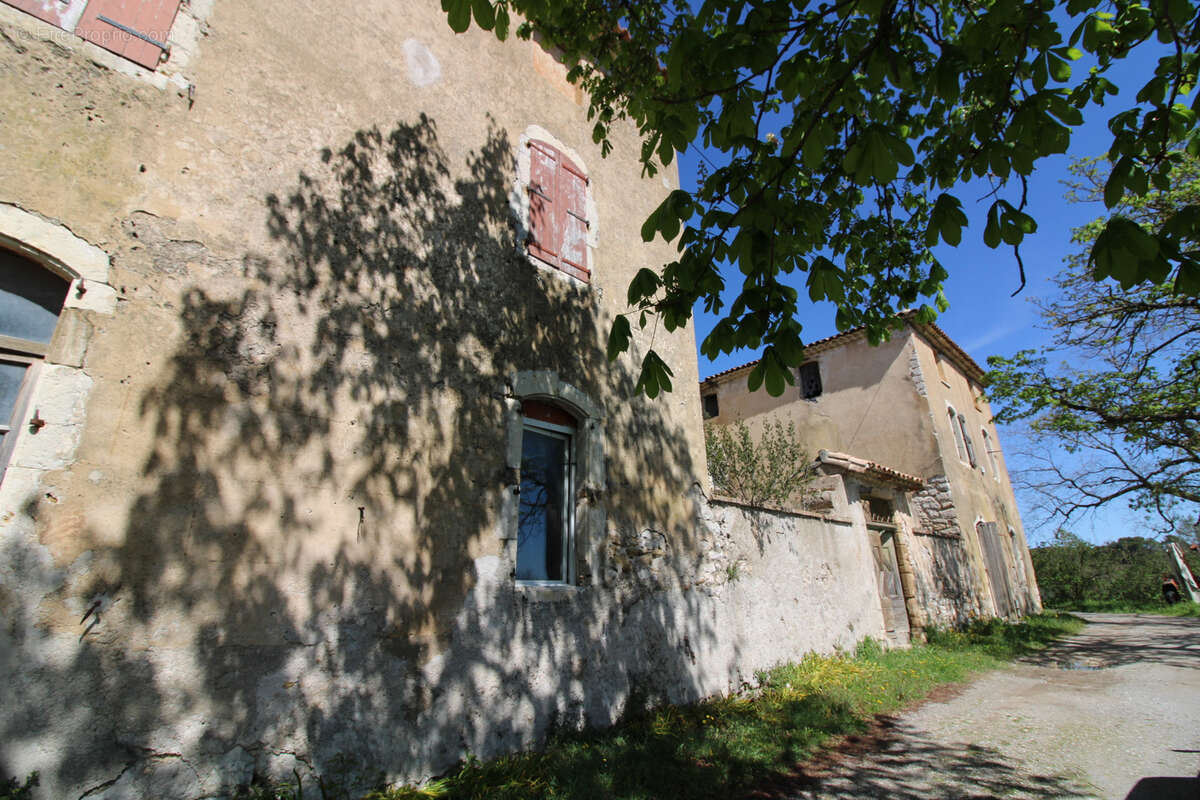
[913, 405]
[287, 297]
[312, 459]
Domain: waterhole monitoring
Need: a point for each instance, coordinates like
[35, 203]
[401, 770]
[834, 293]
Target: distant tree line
[1074, 574]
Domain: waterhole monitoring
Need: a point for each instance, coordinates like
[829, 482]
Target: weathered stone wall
[267, 523]
[935, 509]
[962, 494]
[867, 408]
[948, 591]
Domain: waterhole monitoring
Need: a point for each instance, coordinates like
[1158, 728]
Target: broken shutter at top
[60, 13]
[134, 29]
[558, 224]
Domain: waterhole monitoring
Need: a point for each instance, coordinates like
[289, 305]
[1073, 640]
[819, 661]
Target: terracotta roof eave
[813, 346]
[942, 339]
[849, 463]
[929, 330]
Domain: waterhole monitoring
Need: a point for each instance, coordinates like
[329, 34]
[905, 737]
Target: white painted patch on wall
[423, 67]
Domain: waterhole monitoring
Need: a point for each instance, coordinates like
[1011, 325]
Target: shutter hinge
[166, 48]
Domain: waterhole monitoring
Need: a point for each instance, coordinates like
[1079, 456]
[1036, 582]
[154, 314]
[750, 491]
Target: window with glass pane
[31, 298]
[544, 515]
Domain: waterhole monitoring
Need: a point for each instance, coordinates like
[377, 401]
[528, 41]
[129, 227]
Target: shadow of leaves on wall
[314, 573]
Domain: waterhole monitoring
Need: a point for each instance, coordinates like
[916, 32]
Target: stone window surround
[59, 393]
[518, 200]
[590, 517]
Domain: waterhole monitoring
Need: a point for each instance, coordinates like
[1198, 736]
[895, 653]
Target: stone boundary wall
[754, 588]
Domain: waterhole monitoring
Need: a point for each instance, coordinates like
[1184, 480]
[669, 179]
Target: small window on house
[712, 406]
[990, 447]
[545, 520]
[941, 367]
[558, 223]
[137, 31]
[962, 424]
[31, 299]
[958, 434]
[810, 380]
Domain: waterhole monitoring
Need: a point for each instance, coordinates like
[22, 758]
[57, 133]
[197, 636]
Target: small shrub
[772, 470]
[868, 649]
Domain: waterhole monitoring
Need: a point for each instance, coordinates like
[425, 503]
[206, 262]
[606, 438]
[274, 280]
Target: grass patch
[718, 747]
[1182, 609]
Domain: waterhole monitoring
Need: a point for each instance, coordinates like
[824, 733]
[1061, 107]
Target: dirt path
[1113, 712]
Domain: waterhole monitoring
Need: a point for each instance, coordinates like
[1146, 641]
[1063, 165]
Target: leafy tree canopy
[1127, 402]
[840, 131]
[1075, 575]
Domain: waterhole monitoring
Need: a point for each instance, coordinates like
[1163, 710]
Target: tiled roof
[938, 337]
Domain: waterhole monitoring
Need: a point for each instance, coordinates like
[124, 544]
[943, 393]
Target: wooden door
[996, 566]
[891, 592]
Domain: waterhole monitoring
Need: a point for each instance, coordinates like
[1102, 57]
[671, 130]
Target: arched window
[546, 512]
[957, 430]
[552, 515]
[31, 298]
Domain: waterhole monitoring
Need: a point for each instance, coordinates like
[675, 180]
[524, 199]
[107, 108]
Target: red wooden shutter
[135, 29]
[61, 13]
[544, 227]
[572, 189]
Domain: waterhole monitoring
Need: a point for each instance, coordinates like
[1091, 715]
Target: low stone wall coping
[774, 509]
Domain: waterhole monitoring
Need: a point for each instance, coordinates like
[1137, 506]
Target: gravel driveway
[1113, 712]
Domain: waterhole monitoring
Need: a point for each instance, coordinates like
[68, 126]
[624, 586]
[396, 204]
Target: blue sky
[983, 316]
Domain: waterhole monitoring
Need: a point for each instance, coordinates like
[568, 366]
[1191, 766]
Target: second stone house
[912, 406]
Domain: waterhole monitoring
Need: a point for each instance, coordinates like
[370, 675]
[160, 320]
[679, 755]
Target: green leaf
[1187, 279]
[1060, 70]
[1040, 73]
[502, 22]
[1127, 253]
[1114, 188]
[650, 226]
[991, 233]
[776, 374]
[485, 16]
[643, 286]
[948, 218]
[755, 378]
[458, 14]
[655, 376]
[618, 337]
